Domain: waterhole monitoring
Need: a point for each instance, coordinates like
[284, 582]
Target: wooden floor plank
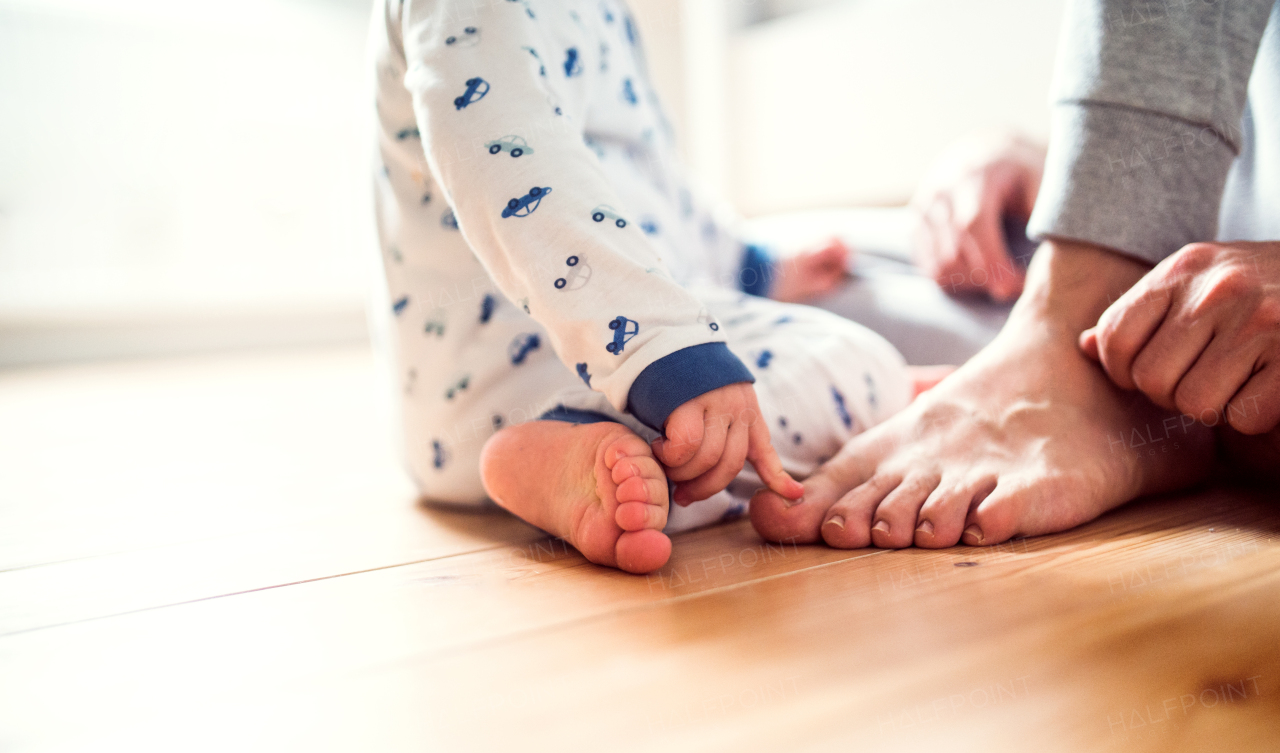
[221, 553]
[537, 628]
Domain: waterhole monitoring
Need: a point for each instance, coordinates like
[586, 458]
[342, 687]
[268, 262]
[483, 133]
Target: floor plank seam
[580, 621]
[249, 591]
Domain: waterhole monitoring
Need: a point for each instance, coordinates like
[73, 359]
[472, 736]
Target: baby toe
[637, 516]
[642, 551]
[627, 445]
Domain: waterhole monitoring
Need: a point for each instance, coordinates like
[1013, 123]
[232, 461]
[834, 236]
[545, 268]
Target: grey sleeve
[1146, 108]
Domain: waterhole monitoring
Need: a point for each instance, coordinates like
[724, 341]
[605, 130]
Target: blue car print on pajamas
[439, 455]
[449, 220]
[572, 65]
[408, 133]
[600, 213]
[513, 145]
[457, 387]
[468, 37]
[476, 89]
[583, 375]
[764, 359]
[522, 346]
[795, 435]
[628, 93]
[399, 306]
[841, 409]
[542, 69]
[527, 204]
[623, 330]
[577, 276]
[486, 308]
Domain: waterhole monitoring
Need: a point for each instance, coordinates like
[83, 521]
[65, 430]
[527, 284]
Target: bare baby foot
[1028, 438]
[597, 486]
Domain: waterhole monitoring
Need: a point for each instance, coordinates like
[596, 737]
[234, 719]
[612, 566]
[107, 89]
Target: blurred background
[176, 179]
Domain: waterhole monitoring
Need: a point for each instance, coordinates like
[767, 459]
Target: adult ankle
[1070, 284]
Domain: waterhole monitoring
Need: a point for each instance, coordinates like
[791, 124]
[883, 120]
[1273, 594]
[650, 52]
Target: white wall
[849, 103]
[180, 176]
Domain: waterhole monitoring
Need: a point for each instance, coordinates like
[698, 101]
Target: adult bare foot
[597, 486]
[1029, 437]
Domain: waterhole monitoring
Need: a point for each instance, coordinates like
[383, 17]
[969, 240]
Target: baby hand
[1200, 333]
[708, 439]
[812, 272]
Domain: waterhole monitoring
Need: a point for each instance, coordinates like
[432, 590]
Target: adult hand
[707, 440]
[960, 205]
[1200, 333]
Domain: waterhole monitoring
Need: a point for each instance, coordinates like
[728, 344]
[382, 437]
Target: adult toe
[777, 518]
[893, 524]
[941, 520]
[848, 524]
[996, 519]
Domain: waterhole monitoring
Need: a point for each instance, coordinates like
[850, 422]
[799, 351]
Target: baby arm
[534, 214]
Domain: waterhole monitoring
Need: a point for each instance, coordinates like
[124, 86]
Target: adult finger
[1255, 409]
[768, 465]
[1216, 377]
[1169, 354]
[1088, 342]
[1126, 326]
[724, 471]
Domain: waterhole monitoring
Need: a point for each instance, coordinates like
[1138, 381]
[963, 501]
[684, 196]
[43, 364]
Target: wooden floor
[220, 554]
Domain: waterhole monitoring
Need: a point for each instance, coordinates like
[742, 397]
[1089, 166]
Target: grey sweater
[1159, 136]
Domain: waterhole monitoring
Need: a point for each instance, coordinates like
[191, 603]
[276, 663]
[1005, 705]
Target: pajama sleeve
[1146, 114]
[500, 104]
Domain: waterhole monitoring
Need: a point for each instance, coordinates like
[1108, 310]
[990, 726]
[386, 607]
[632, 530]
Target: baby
[575, 333]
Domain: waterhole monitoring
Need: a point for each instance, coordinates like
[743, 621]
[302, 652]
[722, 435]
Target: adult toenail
[974, 533]
[791, 502]
[881, 526]
[837, 520]
[925, 527]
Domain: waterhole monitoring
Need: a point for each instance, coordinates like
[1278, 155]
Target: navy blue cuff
[675, 379]
[755, 276]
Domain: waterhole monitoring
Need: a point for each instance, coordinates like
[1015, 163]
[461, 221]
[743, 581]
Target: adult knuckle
[1266, 314]
[1196, 255]
[1151, 380]
[1247, 421]
[1193, 399]
[1231, 285]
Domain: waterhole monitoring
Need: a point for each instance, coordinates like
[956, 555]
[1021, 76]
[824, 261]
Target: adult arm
[1146, 114]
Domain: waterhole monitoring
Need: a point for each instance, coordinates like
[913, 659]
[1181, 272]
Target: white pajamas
[541, 249]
